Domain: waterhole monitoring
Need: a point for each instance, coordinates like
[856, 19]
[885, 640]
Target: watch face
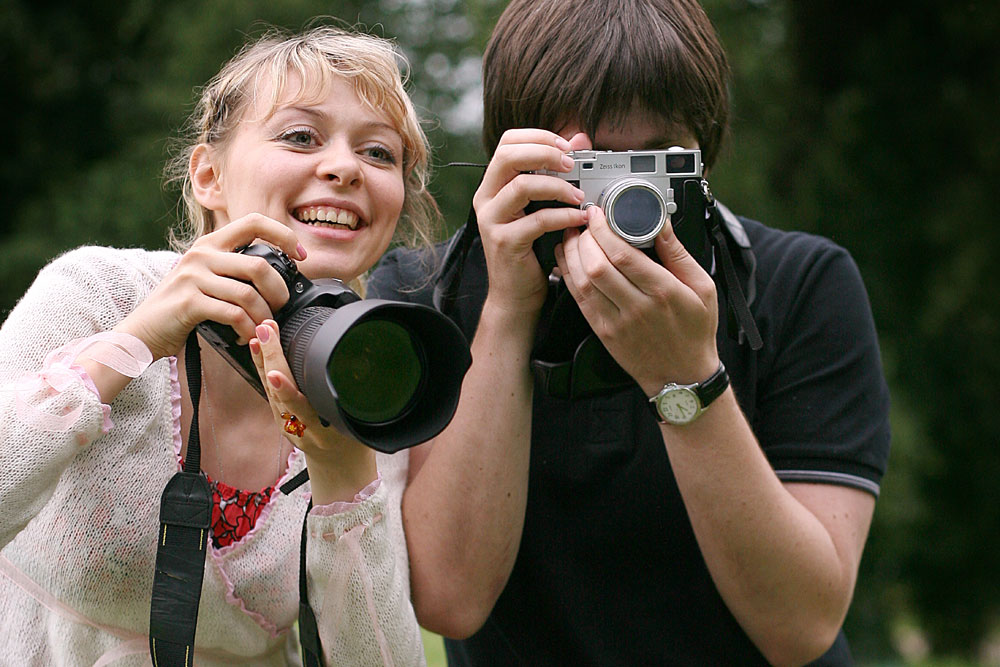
[679, 406]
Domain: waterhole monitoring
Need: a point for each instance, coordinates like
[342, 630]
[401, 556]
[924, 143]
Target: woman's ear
[206, 181]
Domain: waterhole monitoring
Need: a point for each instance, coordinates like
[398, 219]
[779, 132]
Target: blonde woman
[307, 142]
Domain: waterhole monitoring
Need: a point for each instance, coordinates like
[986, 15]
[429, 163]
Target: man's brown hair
[551, 62]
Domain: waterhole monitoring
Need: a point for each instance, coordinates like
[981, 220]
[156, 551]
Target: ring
[292, 424]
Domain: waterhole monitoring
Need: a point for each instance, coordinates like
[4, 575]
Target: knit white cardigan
[80, 484]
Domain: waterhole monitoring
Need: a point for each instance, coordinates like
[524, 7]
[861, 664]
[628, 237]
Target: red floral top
[234, 511]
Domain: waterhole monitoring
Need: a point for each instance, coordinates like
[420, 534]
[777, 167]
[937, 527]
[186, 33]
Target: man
[590, 530]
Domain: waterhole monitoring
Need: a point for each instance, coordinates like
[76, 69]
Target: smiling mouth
[327, 216]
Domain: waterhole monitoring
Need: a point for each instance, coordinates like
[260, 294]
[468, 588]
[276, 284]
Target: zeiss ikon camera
[639, 191]
[386, 372]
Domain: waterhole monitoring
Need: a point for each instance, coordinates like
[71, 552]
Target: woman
[306, 142]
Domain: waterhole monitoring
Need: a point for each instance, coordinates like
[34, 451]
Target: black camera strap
[312, 648]
[182, 542]
[741, 322]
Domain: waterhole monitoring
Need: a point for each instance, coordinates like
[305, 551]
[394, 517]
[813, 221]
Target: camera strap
[741, 322]
[182, 542]
[312, 648]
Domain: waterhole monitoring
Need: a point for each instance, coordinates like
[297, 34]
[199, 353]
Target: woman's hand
[516, 280]
[339, 466]
[211, 282]
[658, 321]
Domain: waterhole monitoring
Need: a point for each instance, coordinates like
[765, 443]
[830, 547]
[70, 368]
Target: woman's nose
[340, 165]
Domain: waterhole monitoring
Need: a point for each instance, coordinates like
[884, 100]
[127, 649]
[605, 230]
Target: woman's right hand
[515, 276]
[212, 282]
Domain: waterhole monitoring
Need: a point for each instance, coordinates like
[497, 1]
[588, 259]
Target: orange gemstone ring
[292, 424]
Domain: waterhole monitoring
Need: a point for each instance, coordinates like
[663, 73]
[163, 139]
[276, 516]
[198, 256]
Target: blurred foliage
[875, 124]
[871, 123]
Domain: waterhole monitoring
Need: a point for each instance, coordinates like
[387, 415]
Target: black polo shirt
[608, 571]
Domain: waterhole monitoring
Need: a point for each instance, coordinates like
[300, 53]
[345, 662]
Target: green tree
[888, 145]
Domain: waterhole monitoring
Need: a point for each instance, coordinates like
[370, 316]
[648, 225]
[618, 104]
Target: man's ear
[580, 142]
[206, 181]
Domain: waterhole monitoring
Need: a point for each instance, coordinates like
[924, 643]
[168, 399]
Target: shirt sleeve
[822, 408]
[49, 408]
[405, 274]
[359, 595]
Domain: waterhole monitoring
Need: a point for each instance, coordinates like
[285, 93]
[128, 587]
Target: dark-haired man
[595, 530]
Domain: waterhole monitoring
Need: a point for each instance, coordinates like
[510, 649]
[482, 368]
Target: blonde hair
[371, 64]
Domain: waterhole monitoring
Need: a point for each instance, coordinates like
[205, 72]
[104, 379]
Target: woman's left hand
[339, 465]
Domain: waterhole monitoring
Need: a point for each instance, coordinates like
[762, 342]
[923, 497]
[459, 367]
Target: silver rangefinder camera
[639, 191]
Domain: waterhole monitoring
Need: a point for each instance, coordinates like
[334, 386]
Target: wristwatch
[680, 404]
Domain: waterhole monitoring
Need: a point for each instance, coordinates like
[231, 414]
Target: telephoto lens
[388, 373]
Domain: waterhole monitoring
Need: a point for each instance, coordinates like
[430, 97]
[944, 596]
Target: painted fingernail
[254, 346]
[263, 332]
[275, 381]
[300, 249]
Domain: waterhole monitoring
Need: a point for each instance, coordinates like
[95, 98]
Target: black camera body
[386, 372]
[302, 293]
[640, 191]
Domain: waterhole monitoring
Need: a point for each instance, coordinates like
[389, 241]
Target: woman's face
[330, 169]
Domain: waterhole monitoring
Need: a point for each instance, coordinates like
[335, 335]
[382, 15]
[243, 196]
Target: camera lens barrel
[375, 368]
[387, 372]
[636, 210]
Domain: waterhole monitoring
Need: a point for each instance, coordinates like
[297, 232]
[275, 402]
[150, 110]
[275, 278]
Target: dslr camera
[640, 191]
[386, 372]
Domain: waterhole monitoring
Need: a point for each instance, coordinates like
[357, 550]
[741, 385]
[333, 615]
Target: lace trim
[123, 353]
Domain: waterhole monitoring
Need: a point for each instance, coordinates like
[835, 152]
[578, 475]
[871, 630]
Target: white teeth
[327, 216]
[347, 218]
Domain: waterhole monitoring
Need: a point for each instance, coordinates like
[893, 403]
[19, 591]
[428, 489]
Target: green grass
[433, 649]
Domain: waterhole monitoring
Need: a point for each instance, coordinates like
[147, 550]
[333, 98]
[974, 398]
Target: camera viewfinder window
[643, 164]
[680, 164]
